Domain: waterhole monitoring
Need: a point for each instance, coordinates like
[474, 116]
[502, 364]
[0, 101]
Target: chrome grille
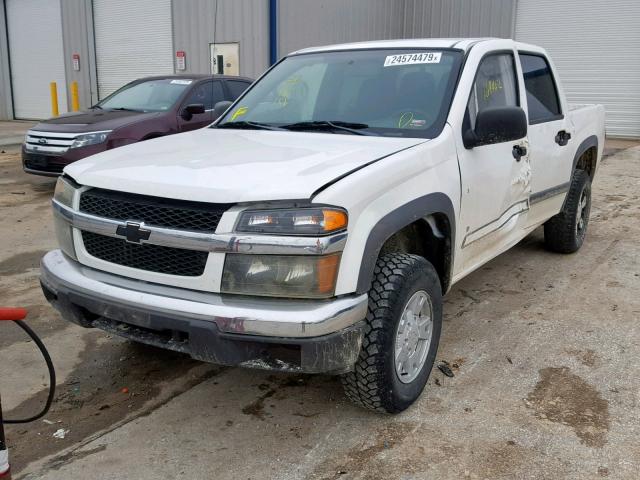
[49, 142]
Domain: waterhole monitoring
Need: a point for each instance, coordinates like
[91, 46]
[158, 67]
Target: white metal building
[102, 44]
[596, 48]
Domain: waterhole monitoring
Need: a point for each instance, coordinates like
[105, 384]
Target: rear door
[495, 184]
[205, 93]
[549, 136]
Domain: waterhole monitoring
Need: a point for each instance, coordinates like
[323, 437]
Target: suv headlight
[293, 276]
[293, 221]
[90, 139]
[64, 193]
[65, 190]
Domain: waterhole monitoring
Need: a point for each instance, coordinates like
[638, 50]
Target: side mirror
[220, 107]
[496, 125]
[190, 110]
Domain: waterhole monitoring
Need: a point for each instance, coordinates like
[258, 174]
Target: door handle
[563, 137]
[518, 152]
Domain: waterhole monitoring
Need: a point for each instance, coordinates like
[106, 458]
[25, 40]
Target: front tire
[401, 336]
[566, 231]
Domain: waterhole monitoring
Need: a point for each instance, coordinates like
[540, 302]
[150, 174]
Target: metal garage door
[596, 46]
[36, 56]
[133, 40]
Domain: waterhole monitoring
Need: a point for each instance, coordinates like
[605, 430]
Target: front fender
[396, 220]
[389, 194]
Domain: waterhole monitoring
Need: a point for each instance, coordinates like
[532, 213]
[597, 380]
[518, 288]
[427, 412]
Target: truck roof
[459, 43]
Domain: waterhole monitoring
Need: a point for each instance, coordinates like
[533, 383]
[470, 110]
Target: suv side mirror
[220, 107]
[190, 110]
[496, 125]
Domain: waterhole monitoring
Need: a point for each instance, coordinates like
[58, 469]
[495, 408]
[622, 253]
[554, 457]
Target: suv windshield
[149, 96]
[399, 92]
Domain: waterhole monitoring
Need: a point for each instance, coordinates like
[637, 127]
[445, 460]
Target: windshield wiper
[94, 107]
[248, 125]
[355, 128]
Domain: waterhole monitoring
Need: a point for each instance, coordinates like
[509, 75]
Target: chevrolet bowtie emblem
[133, 232]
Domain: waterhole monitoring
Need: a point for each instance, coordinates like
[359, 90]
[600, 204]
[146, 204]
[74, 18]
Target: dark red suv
[146, 108]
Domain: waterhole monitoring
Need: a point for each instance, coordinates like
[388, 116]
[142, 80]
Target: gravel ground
[544, 348]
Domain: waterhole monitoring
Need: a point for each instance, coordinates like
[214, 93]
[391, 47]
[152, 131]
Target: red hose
[7, 313]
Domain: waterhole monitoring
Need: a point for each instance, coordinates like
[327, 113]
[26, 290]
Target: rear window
[542, 97]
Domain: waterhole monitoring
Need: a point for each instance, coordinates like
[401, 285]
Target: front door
[495, 184]
[225, 58]
[207, 94]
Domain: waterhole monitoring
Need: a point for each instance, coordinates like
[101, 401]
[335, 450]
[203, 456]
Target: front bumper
[51, 165]
[290, 335]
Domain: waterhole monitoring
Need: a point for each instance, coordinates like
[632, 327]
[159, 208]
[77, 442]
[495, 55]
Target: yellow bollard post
[54, 99]
[75, 101]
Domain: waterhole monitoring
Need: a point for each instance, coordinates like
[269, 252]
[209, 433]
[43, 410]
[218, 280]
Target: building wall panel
[307, 23]
[76, 31]
[198, 23]
[458, 18]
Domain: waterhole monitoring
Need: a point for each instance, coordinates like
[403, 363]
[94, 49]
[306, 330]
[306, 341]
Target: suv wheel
[401, 336]
[566, 231]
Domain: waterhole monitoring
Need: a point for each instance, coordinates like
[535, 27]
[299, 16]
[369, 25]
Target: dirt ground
[545, 350]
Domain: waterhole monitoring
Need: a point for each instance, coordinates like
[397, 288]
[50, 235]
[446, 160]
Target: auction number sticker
[412, 58]
[181, 82]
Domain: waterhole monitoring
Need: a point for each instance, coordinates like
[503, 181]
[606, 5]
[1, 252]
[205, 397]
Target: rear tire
[401, 336]
[566, 231]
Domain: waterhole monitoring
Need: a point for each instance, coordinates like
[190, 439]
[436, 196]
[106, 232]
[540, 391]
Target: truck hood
[228, 166]
[94, 121]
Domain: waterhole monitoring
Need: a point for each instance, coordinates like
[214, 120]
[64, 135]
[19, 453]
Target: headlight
[289, 221]
[64, 191]
[305, 276]
[90, 139]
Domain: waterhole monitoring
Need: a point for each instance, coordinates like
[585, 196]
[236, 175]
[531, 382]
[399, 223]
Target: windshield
[400, 93]
[149, 96]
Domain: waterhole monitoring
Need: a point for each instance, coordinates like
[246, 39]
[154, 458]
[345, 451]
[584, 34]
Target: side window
[236, 88]
[495, 86]
[542, 97]
[208, 94]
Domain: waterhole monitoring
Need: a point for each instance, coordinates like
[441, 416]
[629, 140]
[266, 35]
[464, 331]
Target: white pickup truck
[317, 224]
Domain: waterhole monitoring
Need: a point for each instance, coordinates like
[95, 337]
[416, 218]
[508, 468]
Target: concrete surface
[12, 133]
[544, 347]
